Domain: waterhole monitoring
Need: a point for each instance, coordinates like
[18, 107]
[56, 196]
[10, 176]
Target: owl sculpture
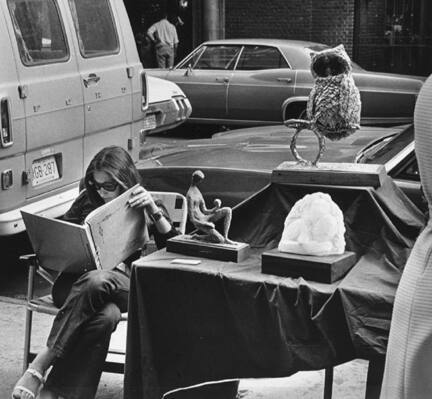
[334, 104]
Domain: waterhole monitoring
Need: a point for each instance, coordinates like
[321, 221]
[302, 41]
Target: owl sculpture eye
[334, 104]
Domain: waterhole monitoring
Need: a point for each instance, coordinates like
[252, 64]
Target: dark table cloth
[220, 320]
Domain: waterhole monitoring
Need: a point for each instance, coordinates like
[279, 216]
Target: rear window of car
[261, 57]
[318, 47]
[217, 57]
[39, 31]
[95, 27]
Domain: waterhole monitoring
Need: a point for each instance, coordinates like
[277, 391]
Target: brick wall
[330, 22]
[279, 19]
[333, 23]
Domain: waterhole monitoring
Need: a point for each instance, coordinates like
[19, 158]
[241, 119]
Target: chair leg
[374, 377]
[27, 338]
[328, 383]
[29, 316]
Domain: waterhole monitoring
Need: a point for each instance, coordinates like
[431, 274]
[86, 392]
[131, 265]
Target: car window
[217, 57]
[94, 26]
[39, 31]
[261, 57]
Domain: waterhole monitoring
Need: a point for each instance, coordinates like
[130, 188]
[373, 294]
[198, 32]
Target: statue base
[325, 269]
[327, 173]
[186, 245]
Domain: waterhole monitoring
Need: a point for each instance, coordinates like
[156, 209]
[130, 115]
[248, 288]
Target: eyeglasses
[107, 186]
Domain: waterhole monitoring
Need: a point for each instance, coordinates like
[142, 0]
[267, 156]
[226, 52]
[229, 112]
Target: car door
[105, 77]
[205, 77]
[261, 82]
[51, 92]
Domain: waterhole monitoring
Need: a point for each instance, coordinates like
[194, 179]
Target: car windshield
[383, 150]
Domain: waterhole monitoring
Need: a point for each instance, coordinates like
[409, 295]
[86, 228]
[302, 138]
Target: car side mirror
[188, 70]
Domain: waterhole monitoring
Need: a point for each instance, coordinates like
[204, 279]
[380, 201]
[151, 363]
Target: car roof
[274, 42]
[259, 148]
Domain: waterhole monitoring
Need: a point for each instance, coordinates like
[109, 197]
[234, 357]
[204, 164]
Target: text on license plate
[150, 122]
[44, 170]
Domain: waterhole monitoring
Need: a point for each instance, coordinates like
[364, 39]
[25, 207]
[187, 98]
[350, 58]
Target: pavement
[349, 379]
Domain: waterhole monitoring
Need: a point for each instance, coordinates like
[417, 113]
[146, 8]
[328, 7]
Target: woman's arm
[163, 228]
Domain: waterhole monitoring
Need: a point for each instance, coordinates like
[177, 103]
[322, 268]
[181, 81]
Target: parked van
[70, 83]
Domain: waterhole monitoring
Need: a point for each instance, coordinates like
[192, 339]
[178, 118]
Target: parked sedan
[265, 81]
[239, 163]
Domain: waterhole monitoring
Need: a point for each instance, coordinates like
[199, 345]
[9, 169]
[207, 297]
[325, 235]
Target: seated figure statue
[314, 226]
[204, 219]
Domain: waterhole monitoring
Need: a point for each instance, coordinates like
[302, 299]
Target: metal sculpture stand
[299, 125]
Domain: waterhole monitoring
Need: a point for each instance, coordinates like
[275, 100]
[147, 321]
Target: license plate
[44, 170]
[150, 122]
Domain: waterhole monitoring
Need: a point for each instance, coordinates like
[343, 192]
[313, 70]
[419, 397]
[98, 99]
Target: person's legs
[164, 54]
[160, 56]
[88, 296]
[170, 57]
[90, 293]
[77, 374]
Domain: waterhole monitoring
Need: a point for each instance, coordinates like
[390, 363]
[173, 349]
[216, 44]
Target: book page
[59, 245]
[117, 230]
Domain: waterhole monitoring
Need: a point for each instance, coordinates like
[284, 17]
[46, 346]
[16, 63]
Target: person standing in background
[164, 36]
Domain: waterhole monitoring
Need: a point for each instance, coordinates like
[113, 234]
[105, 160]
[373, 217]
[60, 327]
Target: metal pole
[211, 21]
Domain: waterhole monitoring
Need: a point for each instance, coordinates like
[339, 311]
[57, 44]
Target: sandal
[21, 388]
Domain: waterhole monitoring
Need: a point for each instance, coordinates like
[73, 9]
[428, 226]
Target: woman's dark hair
[115, 161]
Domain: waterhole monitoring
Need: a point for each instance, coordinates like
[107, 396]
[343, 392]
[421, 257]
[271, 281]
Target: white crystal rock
[314, 226]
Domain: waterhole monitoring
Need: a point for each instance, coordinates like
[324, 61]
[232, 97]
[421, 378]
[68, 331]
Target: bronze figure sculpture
[204, 219]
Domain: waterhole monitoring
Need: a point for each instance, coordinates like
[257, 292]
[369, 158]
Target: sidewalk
[349, 379]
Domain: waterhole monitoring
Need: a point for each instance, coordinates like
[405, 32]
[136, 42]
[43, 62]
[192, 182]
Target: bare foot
[28, 385]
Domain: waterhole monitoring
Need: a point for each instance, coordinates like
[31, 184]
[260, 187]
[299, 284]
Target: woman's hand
[141, 198]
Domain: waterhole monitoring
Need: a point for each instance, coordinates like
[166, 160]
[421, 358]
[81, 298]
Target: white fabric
[407, 372]
[166, 31]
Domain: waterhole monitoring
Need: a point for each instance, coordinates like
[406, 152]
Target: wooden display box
[185, 245]
[333, 174]
[325, 269]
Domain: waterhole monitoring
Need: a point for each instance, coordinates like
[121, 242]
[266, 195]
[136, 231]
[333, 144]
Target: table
[220, 320]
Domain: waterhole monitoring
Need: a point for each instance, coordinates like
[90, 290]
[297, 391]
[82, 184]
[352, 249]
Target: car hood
[260, 148]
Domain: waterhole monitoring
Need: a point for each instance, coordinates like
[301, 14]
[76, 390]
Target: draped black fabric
[220, 320]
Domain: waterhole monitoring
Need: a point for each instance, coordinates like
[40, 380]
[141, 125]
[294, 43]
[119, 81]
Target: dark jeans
[82, 329]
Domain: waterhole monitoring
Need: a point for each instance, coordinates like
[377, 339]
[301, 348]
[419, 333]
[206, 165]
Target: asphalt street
[349, 379]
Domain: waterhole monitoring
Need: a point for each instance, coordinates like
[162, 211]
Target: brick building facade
[314, 20]
[381, 35]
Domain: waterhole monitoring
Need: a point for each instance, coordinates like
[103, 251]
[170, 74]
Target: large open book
[108, 236]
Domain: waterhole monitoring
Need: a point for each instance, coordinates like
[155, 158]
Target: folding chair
[176, 206]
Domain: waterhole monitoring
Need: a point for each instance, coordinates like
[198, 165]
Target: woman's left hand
[141, 198]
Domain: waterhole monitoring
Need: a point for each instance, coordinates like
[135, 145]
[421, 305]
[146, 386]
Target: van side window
[38, 31]
[94, 26]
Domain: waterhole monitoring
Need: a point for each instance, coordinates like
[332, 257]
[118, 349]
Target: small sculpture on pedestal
[334, 104]
[204, 219]
[313, 243]
[314, 226]
[207, 242]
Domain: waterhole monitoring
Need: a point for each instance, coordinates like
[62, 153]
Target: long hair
[116, 162]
